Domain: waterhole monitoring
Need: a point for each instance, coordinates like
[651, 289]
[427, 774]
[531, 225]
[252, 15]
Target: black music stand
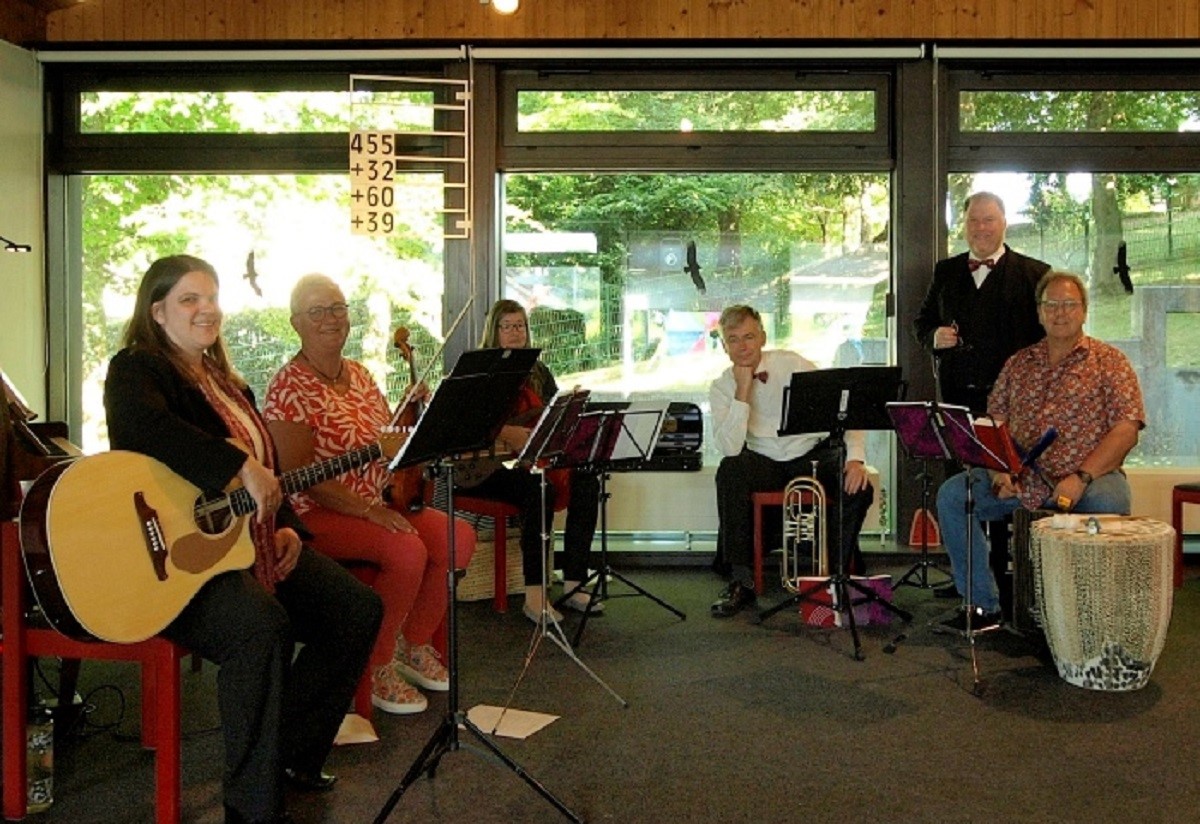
[949, 428]
[603, 441]
[837, 401]
[547, 440]
[455, 421]
[921, 440]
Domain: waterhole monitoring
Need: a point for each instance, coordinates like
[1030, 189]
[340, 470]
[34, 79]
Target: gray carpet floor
[727, 721]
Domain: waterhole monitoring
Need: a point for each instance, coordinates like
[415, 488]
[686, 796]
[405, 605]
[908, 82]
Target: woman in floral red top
[320, 405]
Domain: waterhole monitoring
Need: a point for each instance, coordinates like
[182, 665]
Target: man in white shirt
[747, 403]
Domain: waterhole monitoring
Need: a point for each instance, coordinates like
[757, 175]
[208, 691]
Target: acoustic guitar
[116, 544]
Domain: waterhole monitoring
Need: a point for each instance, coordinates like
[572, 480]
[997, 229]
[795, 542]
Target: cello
[407, 490]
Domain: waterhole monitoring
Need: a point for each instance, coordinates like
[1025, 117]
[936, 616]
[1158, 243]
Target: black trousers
[276, 712]
[523, 489]
[741, 475]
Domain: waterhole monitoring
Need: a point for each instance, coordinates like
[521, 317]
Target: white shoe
[582, 601]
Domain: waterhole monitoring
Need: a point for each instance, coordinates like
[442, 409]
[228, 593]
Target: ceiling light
[11, 246]
[502, 6]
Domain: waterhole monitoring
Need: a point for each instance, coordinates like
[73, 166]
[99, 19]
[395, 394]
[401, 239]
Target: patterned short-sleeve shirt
[1083, 396]
[339, 423]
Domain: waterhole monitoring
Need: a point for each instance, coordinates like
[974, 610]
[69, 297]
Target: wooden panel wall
[21, 22]
[468, 21]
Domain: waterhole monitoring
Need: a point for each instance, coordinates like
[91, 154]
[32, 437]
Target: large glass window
[1103, 226]
[262, 233]
[1100, 177]
[625, 275]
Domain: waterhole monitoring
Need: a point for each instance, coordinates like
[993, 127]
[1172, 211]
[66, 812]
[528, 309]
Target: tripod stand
[552, 429]
[608, 440]
[920, 570]
[852, 399]
[454, 422]
[942, 431]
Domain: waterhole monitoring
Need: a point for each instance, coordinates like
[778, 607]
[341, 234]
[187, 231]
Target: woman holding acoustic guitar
[172, 394]
[507, 327]
[321, 404]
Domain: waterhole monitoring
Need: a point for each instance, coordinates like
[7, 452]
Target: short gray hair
[1055, 275]
[307, 283]
[988, 196]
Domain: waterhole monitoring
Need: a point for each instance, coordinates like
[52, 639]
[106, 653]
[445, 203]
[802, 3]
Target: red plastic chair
[159, 661]
[1180, 495]
[500, 512]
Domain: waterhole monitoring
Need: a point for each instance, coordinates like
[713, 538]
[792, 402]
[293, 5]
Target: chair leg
[1177, 522]
[758, 547]
[168, 783]
[500, 578]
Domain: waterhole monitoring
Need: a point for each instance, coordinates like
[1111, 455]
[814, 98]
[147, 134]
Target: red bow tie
[973, 264]
[760, 376]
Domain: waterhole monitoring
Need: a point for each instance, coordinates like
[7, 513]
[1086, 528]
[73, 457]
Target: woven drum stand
[1105, 597]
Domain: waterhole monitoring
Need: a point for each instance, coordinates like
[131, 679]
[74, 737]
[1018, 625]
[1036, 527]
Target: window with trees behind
[631, 204]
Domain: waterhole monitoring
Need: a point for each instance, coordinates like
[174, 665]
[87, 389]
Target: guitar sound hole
[212, 513]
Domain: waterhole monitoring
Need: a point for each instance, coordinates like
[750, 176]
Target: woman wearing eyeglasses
[172, 393]
[321, 405]
[507, 327]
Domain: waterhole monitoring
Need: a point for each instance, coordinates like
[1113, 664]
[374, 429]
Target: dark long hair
[144, 332]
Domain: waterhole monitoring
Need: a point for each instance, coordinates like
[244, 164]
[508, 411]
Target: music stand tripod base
[455, 422]
[604, 441]
[835, 401]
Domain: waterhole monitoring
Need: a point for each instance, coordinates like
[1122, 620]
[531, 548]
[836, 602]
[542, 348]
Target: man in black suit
[979, 310]
[980, 307]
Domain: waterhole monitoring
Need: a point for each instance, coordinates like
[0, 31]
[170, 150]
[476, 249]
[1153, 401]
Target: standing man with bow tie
[980, 307]
[747, 408]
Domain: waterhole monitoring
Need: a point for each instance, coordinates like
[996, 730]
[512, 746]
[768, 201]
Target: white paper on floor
[514, 724]
[355, 730]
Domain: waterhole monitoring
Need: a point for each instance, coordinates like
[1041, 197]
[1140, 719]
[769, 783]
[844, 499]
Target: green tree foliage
[1084, 112]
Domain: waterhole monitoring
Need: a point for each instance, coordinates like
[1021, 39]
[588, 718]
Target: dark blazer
[993, 322]
[151, 409]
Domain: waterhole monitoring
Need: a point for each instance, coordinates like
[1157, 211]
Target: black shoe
[946, 591]
[980, 620]
[732, 600]
[317, 782]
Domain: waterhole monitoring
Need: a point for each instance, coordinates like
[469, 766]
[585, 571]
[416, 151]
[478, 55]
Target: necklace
[331, 380]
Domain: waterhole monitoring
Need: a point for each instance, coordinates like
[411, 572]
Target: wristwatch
[1084, 476]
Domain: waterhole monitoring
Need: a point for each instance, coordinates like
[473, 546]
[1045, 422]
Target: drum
[1105, 598]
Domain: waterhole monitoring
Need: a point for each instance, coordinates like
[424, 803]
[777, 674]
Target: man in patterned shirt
[1084, 388]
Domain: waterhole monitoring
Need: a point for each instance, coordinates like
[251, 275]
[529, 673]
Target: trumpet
[805, 543]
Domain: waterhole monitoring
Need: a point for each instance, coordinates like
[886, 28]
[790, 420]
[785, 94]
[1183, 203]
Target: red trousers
[412, 567]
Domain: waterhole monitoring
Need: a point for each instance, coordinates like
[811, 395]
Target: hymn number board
[373, 183]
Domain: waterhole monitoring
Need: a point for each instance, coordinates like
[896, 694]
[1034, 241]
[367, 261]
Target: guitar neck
[301, 479]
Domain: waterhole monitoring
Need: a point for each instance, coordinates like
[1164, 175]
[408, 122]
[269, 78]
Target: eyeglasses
[318, 313]
[1052, 306]
[512, 327]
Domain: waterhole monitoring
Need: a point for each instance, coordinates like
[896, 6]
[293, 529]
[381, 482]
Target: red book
[1001, 451]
